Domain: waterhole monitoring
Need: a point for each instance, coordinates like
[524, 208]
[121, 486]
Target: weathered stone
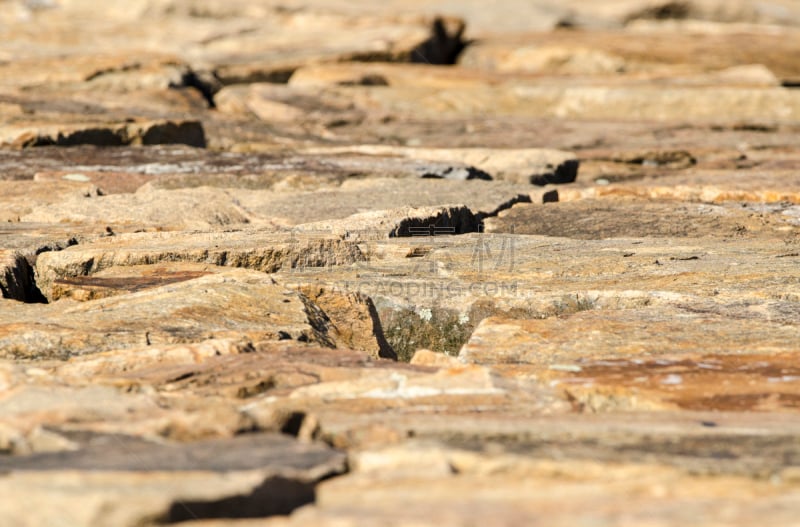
[384, 74]
[248, 476]
[354, 321]
[405, 222]
[258, 250]
[268, 59]
[512, 491]
[232, 303]
[593, 219]
[358, 196]
[708, 187]
[332, 111]
[107, 182]
[431, 292]
[147, 209]
[735, 382]
[520, 166]
[635, 341]
[631, 334]
[641, 54]
[109, 72]
[19, 198]
[220, 368]
[127, 279]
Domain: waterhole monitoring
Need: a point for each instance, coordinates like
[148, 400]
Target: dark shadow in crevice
[385, 350]
[293, 423]
[442, 47]
[19, 283]
[565, 172]
[276, 496]
[207, 87]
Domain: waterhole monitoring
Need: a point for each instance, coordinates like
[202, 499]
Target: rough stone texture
[230, 303]
[363, 195]
[324, 262]
[629, 334]
[128, 481]
[263, 251]
[516, 165]
[630, 218]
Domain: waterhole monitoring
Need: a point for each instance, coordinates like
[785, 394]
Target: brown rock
[592, 219]
[629, 334]
[354, 321]
[250, 475]
[353, 197]
[259, 250]
[233, 303]
[20, 198]
[616, 350]
[518, 165]
[129, 279]
[147, 209]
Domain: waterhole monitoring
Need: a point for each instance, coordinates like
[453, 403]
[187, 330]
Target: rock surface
[326, 262]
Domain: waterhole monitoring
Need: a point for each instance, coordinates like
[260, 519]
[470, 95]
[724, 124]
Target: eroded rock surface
[326, 262]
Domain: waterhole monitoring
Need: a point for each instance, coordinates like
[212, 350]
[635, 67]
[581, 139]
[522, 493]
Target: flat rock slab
[483, 198]
[635, 55]
[41, 415]
[147, 209]
[593, 219]
[128, 279]
[223, 38]
[705, 186]
[735, 382]
[221, 367]
[258, 250]
[532, 165]
[250, 475]
[627, 334]
[253, 167]
[153, 208]
[351, 318]
[276, 453]
[758, 444]
[233, 303]
[20, 197]
[702, 104]
[512, 494]
[399, 223]
[178, 392]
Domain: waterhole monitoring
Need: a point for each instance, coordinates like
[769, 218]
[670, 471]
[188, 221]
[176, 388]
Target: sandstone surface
[337, 263]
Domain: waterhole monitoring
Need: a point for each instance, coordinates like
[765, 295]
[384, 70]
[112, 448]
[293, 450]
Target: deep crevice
[275, 496]
[19, 282]
[208, 87]
[519, 198]
[442, 47]
[566, 172]
[293, 423]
